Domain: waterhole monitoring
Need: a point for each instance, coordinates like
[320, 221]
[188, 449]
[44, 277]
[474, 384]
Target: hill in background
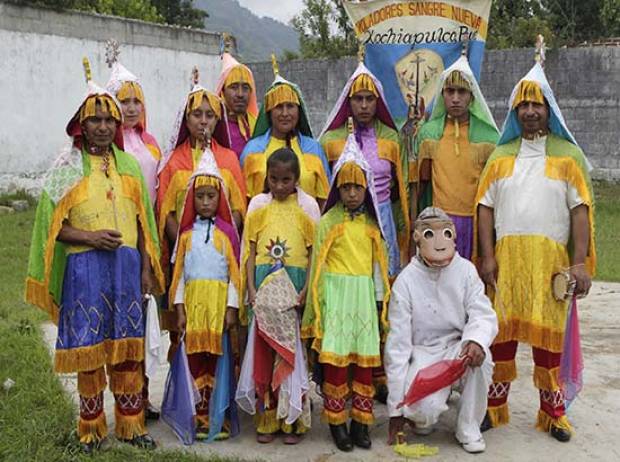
[256, 37]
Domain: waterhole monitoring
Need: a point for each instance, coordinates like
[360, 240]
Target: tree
[315, 26]
[610, 17]
[181, 13]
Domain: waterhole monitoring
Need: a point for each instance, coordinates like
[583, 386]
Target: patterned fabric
[336, 389]
[101, 303]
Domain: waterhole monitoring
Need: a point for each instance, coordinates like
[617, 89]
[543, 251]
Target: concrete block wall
[43, 83]
[586, 82]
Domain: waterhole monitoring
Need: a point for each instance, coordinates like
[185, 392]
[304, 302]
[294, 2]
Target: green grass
[607, 216]
[37, 419]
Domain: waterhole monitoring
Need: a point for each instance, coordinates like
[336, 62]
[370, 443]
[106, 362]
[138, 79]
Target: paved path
[595, 415]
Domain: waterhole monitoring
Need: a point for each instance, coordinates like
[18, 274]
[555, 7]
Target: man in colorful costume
[201, 112]
[535, 218]
[348, 280]
[237, 88]
[205, 289]
[94, 253]
[283, 121]
[138, 141]
[452, 149]
[375, 132]
[438, 311]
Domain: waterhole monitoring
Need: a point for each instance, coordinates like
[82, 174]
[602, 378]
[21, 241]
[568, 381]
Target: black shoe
[341, 437]
[359, 435]
[142, 442]
[560, 434]
[381, 393]
[151, 412]
[486, 423]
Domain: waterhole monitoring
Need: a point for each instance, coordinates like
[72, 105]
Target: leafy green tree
[181, 13]
[610, 17]
[316, 24]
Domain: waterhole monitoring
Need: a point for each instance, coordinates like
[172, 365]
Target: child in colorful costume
[205, 291]
[348, 280]
[94, 254]
[277, 243]
[283, 122]
[453, 147]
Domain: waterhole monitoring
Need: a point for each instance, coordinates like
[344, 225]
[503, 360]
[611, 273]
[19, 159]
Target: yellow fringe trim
[237, 200]
[94, 430]
[352, 358]
[546, 379]
[297, 426]
[129, 89]
[351, 173]
[335, 391]
[367, 391]
[37, 293]
[126, 382]
[105, 102]
[207, 180]
[203, 341]
[91, 383]
[505, 371]
[129, 426]
[195, 99]
[89, 358]
[526, 332]
[363, 82]
[239, 74]
[266, 422]
[205, 380]
[335, 418]
[362, 417]
[183, 247]
[528, 90]
[499, 415]
[280, 94]
[456, 80]
[544, 422]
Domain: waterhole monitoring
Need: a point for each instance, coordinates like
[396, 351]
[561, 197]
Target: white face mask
[436, 240]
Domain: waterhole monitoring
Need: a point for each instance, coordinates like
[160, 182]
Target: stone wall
[586, 82]
[42, 79]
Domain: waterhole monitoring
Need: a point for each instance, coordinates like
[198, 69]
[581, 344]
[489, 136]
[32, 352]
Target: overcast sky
[284, 10]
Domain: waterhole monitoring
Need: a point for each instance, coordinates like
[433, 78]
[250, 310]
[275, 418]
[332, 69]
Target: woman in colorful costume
[273, 384]
[283, 122]
[138, 141]
[202, 112]
[205, 291]
[237, 88]
[452, 149]
[535, 218]
[93, 255]
[348, 279]
[375, 132]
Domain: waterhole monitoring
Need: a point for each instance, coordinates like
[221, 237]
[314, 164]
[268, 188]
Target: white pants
[472, 405]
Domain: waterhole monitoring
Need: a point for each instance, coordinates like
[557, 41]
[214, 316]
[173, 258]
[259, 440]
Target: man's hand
[488, 270]
[473, 354]
[105, 239]
[230, 320]
[396, 426]
[251, 296]
[181, 318]
[582, 279]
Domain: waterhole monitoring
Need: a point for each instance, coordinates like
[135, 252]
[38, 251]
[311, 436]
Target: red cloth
[433, 378]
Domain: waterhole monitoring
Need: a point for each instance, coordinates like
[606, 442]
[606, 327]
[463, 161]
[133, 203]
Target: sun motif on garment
[277, 249]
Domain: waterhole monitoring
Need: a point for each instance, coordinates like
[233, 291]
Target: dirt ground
[595, 415]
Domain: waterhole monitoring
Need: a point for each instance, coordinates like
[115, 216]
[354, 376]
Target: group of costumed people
[285, 260]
